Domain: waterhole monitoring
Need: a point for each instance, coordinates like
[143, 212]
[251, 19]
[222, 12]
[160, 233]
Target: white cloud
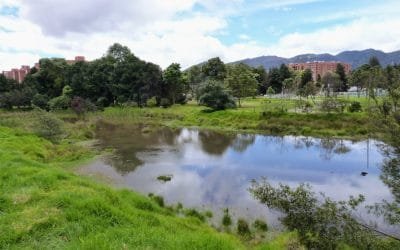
[170, 31]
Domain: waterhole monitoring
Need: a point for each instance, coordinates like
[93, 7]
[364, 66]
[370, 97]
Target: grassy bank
[252, 117]
[44, 205]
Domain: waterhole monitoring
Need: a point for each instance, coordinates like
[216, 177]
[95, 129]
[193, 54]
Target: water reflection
[214, 170]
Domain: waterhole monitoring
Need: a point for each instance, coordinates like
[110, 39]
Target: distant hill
[355, 58]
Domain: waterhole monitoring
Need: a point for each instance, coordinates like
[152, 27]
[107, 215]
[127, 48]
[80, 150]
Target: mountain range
[355, 58]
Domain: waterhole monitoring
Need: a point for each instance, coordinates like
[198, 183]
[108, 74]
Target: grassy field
[44, 205]
[258, 115]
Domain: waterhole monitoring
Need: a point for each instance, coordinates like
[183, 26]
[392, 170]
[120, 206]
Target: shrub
[215, 97]
[194, 213]
[305, 106]
[260, 225]
[59, 103]
[332, 105]
[226, 219]
[165, 103]
[48, 126]
[40, 101]
[243, 227]
[152, 102]
[355, 107]
[158, 199]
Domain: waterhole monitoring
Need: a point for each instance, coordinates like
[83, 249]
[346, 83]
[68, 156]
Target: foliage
[40, 101]
[174, 85]
[152, 102]
[48, 126]
[331, 83]
[243, 228]
[60, 103]
[355, 107]
[226, 218]
[340, 71]
[215, 97]
[332, 105]
[320, 222]
[214, 69]
[260, 225]
[241, 81]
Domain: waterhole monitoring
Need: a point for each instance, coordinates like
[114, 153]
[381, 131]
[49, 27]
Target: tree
[274, 80]
[215, 97]
[284, 72]
[331, 82]
[374, 62]
[262, 79]
[241, 81]
[174, 85]
[343, 78]
[306, 77]
[214, 69]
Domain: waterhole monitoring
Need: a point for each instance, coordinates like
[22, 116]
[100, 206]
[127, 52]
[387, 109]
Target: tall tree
[214, 69]
[262, 79]
[374, 62]
[343, 78]
[173, 82]
[241, 81]
[274, 80]
[284, 72]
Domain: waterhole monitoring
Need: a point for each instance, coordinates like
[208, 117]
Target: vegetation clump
[165, 178]
[226, 218]
[243, 228]
[260, 225]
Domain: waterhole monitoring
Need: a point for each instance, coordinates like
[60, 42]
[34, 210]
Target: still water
[213, 171]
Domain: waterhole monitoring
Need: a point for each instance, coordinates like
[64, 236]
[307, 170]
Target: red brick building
[19, 74]
[319, 68]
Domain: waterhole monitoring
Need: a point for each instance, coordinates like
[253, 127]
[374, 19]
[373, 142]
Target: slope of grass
[44, 206]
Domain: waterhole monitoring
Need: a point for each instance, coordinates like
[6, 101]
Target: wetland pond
[213, 171]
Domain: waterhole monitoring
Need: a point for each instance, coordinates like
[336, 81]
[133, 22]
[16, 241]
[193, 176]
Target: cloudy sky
[191, 31]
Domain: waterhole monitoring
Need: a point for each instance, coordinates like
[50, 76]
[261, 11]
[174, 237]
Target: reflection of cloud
[202, 178]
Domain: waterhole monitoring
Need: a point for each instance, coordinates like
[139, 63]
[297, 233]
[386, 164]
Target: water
[213, 171]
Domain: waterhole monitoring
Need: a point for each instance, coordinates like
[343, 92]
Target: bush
[60, 103]
[355, 107]
[226, 219]
[48, 126]
[332, 105]
[260, 225]
[40, 101]
[194, 213]
[305, 106]
[165, 103]
[215, 97]
[152, 102]
[243, 227]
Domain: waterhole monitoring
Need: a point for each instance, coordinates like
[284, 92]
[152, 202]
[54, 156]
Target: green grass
[44, 206]
[249, 118]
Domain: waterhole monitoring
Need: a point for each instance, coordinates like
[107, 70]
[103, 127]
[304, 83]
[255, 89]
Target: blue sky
[191, 31]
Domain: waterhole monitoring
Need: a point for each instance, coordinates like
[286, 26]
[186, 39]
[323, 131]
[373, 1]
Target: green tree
[174, 84]
[214, 69]
[374, 62]
[331, 83]
[215, 97]
[343, 78]
[241, 81]
[274, 80]
[262, 79]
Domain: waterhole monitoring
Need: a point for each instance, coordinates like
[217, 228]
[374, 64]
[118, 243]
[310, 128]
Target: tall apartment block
[320, 68]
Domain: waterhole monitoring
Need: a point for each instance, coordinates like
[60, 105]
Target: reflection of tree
[390, 175]
[215, 143]
[242, 142]
[330, 146]
[341, 148]
[128, 141]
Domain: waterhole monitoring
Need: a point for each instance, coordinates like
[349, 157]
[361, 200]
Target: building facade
[19, 74]
[319, 68]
